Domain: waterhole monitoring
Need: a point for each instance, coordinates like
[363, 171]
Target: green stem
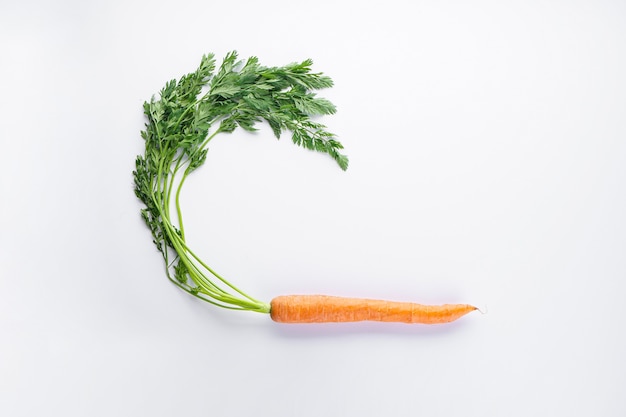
[179, 163]
[183, 250]
[182, 181]
[206, 285]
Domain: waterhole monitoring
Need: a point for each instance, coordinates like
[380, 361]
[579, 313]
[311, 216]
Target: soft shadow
[338, 330]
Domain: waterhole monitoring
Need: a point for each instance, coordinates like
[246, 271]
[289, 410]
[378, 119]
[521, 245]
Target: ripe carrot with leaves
[188, 114]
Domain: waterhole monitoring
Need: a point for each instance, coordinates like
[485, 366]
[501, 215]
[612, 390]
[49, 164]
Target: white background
[488, 166]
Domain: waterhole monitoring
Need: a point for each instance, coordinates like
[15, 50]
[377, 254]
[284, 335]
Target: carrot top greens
[188, 114]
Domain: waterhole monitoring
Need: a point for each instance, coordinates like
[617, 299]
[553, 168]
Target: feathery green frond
[188, 113]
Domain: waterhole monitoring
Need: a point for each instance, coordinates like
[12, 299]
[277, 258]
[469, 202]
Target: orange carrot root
[328, 309]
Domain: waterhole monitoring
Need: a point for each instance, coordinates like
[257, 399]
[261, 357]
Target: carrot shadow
[339, 330]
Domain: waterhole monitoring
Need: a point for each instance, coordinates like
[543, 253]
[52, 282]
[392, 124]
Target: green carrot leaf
[187, 114]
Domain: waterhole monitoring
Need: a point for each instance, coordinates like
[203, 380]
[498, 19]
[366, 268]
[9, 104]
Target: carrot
[188, 114]
[327, 309]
